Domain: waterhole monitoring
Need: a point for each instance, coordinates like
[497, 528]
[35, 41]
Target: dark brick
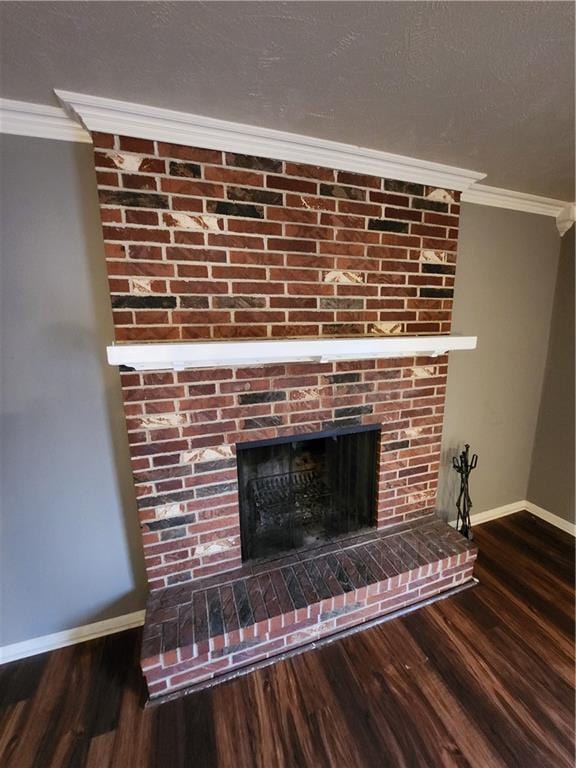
[262, 421]
[169, 636]
[378, 573]
[430, 205]
[171, 522]
[143, 302]
[396, 445]
[163, 473]
[132, 199]
[439, 269]
[194, 302]
[173, 533]
[211, 466]
[322, 589]
[215, 490]
[255, 195]
[229, 613]
[344, 329]
[436, 293]
[242, 601]
[190, 170]
[406, 187]
[352, 422]
[291, 185]
[343, 378]
[179, 578]
[215, 619]
[347, 193]
[339, 573]
[200, 617]
[269, 595]
[185, 626]
[166, 498]
[355, 577]
[333, 302]
[256, 602]
[235, 209]
[387, 225]
[256, 163]
[238, 302]
[293, 587]
[354, 410]
[249, 398]
[281, 591]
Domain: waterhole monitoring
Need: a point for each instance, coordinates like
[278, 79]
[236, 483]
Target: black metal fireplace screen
[300, 491]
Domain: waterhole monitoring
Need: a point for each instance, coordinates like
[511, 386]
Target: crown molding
[83, 113]
[564, 212]
[566, 218]
[482, 194]
[23, 118]
[124, 118]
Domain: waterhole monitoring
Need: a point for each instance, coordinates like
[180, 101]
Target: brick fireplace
[209, 245]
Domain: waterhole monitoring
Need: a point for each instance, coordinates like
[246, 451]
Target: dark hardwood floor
[484, 678]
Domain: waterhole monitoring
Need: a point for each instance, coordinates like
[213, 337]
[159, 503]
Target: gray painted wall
[70, 546]
[552, 479]
[505, 281]
[70, 551]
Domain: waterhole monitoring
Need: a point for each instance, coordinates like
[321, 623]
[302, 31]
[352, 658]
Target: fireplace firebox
[303, 490]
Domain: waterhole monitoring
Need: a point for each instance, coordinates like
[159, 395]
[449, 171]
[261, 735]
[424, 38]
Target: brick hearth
[203, 244]
[222, 624]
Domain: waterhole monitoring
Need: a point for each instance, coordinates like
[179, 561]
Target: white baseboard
[551, 518]
[477, 518]
[70, 636]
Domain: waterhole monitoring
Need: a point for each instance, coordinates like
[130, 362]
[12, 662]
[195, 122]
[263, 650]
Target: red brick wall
[202, 244]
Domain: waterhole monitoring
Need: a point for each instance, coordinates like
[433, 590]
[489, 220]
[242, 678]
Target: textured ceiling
[482, 85]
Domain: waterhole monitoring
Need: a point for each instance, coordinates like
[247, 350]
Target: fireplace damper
[302, 491]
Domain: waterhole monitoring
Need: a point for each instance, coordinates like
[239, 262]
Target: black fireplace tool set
[464, 466]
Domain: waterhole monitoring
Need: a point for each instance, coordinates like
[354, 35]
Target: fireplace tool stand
[464, 466]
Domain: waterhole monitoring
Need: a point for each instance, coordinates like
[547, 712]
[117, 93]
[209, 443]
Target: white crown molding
[566, 218]
[22, 118]
[477, 518]
[124, 118]
[72, 636]
[481, 194]
[84, 113]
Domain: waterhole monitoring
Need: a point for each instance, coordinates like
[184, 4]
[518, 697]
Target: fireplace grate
[303, 495]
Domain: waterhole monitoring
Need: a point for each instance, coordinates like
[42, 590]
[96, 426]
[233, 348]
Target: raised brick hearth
[202, 244]
[223, 624]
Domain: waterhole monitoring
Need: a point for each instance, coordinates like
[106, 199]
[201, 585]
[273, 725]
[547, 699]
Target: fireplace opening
[303, 490]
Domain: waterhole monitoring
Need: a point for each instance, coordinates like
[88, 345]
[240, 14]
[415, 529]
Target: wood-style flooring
[483, 679]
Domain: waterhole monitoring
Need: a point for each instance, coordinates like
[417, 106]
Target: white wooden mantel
[180, 356]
